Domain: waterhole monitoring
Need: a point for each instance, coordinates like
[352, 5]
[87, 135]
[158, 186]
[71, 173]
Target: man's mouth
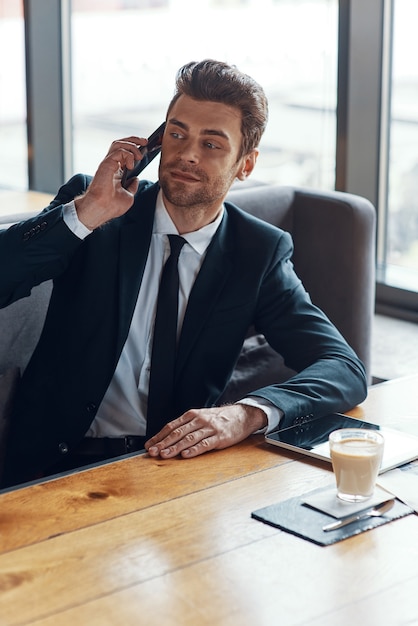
[184, 176]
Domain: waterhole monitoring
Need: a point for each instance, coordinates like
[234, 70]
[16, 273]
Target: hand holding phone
[149, 151]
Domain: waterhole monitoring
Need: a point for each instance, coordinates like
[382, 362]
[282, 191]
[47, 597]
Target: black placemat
[297, 518]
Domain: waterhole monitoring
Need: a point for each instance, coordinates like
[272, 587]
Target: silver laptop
[311, 439]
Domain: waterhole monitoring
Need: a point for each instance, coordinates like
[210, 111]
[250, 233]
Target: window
[122, 84]
[399, 260]
[13, 140]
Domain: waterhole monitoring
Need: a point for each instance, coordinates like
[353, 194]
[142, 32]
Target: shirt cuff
[273, 414]
[71, 219]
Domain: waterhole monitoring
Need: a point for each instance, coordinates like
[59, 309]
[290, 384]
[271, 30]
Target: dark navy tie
[164, 345]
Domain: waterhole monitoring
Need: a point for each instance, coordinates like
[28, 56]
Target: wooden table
[142, 541]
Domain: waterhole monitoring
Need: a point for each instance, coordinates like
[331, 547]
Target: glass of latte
[356, 455]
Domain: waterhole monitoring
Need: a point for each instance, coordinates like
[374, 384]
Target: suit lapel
[203, 298]
[135, 237]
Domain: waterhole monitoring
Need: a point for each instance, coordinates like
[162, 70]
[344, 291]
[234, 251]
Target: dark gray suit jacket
[246, 279]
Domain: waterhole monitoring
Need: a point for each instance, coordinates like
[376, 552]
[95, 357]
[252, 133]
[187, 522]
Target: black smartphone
[149, 151]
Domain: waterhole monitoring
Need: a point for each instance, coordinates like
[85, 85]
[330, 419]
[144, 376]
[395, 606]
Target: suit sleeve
[40, 248]
[330, 377]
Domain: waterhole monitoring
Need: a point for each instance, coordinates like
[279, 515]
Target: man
[86, 387]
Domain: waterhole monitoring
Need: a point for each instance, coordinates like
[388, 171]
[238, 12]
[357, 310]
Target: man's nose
[189, 151]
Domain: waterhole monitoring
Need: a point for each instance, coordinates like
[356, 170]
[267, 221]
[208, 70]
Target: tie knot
[176, 244]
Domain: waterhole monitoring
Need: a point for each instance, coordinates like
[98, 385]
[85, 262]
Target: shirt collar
[198, 239]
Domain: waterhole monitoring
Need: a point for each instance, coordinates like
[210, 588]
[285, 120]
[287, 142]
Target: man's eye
[176, 135]
[211, 145]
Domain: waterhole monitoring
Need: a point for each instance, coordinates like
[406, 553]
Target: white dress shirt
[123, 409]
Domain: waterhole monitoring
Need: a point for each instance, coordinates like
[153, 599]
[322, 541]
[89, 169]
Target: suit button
[91, 407]
[43, 225]
[63, 447]
[26, 236]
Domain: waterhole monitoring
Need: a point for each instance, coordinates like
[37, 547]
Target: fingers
[124, 152]
[129, 144]
[198, 431]
[189, 435]
[105, 197]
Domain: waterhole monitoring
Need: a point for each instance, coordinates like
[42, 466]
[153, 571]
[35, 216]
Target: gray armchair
[334, 255]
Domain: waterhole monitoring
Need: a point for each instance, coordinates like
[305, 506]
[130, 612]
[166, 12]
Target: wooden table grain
[173, 542]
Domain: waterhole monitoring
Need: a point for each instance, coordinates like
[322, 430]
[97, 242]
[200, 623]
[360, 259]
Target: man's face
[199, 156]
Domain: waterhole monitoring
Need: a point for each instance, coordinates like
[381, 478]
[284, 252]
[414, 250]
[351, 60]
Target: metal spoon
[376, 511]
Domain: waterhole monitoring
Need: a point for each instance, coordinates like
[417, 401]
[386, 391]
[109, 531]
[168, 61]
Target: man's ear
[247, 164]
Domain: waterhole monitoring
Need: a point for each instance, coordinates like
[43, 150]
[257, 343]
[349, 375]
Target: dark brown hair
[216, 81]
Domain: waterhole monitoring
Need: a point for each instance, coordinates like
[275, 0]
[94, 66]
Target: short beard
[207, 194]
